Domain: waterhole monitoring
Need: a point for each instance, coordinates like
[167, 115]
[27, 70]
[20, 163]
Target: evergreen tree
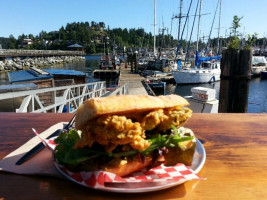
[11, 42]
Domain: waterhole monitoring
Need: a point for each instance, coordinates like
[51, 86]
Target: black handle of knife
[40, 146]
[36, 149]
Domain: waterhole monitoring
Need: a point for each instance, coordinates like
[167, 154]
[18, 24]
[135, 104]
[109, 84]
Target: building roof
[26, 75]
[65, 72]
[75, 46]
[39, 74]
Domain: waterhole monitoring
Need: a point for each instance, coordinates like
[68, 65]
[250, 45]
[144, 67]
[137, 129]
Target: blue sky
[33, 16]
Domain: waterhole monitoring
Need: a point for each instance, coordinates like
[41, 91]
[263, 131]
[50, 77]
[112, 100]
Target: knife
[36, 149]
[40, 145]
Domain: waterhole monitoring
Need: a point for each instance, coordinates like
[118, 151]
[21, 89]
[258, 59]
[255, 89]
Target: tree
[11, 42]
[236, 24]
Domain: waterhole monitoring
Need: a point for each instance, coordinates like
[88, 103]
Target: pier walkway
[133, 80]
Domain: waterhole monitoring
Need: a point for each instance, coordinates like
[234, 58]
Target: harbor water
[257, 100]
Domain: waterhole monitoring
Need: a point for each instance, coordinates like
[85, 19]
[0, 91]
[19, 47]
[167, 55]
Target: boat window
[205, 65]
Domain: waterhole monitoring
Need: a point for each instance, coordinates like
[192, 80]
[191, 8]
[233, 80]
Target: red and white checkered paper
[99, 179]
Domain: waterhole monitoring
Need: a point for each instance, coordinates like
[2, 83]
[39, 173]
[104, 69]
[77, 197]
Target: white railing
[60, 99]
[122, 90]
[57, 99]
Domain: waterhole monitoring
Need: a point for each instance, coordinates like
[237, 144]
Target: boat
[164, 65]
[259, 64]
[142, 62]
[109, 62]
[109, 71]
[264, 74]
[207, 70]
[157, 86]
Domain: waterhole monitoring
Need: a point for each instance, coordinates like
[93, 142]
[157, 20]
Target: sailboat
[206, 70]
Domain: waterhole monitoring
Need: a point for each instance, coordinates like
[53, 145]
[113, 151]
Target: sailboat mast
[180, 18]
[218, 40]
[198, 28]
[155, 2]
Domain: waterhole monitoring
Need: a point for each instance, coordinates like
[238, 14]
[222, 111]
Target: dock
[134, 81]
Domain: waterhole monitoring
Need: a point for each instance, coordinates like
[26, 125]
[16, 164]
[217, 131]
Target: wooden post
[131, 62]
[135, 62]
[234, 84]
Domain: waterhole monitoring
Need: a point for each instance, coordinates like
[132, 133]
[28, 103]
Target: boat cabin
[210, 65]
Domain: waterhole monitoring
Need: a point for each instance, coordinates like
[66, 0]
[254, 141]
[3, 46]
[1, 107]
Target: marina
[160, 99]
[256, 100]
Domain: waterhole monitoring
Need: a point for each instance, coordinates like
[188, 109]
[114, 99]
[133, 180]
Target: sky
[32, 16]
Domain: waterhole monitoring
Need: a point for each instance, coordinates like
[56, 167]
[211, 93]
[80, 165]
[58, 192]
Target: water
[257, 100]
[88, 65]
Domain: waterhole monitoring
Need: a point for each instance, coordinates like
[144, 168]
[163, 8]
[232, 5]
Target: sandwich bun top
[123, 104]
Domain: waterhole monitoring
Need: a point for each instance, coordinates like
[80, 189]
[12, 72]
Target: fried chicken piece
[153, 119]
[176, 117]
[162, 120]
[111, 131]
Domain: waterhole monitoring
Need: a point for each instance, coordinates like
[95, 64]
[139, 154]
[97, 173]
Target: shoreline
[16, 64]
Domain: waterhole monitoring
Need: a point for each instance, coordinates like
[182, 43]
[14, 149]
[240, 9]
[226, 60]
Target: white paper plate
[197, 164]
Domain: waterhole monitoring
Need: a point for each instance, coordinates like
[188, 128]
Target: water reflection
[3, 78]
[185, 90]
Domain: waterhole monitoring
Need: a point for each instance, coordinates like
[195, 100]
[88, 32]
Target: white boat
[205, 69]
[259, 64]
[206, 73]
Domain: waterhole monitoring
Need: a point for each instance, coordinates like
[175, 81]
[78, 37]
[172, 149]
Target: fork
[40, 145]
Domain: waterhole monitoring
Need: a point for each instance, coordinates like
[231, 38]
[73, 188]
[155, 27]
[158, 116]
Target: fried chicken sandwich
[127, 133]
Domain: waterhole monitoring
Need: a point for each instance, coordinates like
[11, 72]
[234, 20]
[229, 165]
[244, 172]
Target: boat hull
[257, 70]
[187, 77]
[264, 74]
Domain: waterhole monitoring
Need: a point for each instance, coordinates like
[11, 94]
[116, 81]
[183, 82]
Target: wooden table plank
[236, 147]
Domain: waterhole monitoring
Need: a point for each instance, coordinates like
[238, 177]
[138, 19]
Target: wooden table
[236, 165]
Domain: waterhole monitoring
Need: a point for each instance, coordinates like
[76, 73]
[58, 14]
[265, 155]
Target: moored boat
[259, 64]
[264, 74]
[206, 70]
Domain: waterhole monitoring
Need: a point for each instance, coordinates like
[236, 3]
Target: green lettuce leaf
[66, 154]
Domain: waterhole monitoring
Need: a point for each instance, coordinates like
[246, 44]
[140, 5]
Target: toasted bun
[124, 104]
[130, 167]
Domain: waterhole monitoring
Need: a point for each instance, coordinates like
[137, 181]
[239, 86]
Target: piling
[234, 84]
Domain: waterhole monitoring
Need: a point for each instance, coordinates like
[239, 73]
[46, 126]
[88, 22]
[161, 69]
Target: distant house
[46, 42]
[76, 47]
[27, 42]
